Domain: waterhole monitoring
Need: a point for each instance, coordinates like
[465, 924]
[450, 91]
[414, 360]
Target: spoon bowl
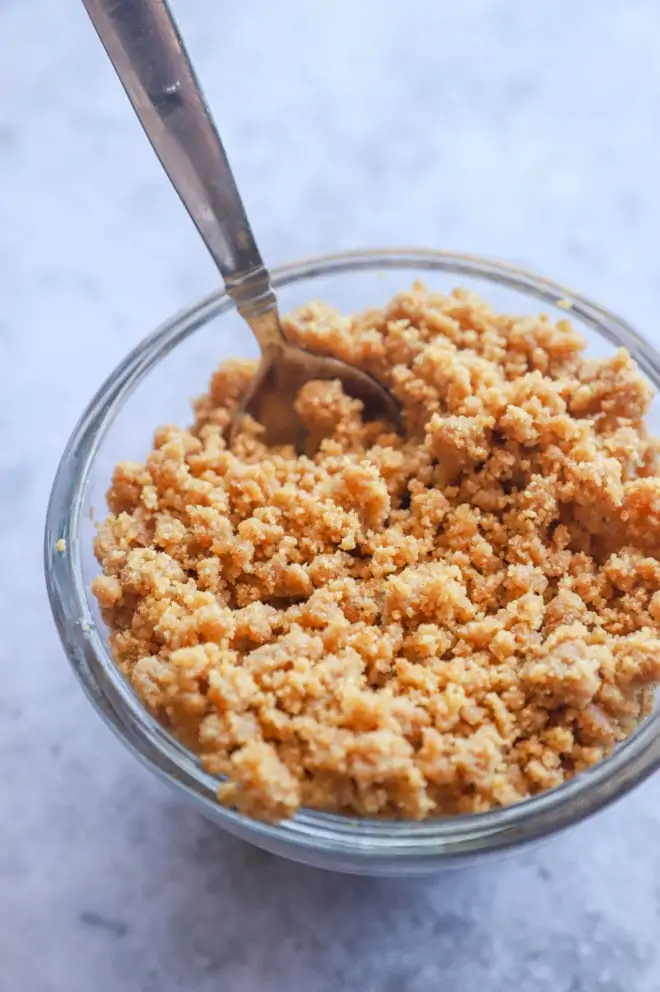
[270, 399]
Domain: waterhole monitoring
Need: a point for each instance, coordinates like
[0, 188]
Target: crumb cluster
[438, 623]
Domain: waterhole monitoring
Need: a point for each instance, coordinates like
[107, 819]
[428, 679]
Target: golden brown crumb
[60, 545]
[396, 626]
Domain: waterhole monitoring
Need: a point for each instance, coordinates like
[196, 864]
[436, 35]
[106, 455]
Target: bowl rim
[308, 834]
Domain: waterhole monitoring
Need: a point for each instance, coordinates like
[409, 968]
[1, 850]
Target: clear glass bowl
[153, 386]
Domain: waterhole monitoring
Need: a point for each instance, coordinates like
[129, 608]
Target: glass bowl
[154, 386]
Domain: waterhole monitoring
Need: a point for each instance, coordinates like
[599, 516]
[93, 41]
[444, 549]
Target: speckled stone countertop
[522, 130]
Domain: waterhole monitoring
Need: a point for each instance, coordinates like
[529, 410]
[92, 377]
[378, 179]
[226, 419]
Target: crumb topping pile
[396, 626]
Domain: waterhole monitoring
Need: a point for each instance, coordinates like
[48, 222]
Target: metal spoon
[143, 44]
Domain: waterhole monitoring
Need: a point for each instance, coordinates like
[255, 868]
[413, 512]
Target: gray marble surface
[523, 130]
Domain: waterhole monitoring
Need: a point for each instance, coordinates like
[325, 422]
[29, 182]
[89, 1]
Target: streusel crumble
[397, 626]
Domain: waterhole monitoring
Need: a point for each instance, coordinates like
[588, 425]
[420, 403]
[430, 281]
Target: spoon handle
[144, 46]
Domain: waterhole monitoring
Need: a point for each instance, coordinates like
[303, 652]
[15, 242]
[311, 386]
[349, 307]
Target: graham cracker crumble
[413, 626]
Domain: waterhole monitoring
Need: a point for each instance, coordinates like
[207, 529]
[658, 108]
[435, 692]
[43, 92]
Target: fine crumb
[60, 545]
[564, 304]
[399, 626]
